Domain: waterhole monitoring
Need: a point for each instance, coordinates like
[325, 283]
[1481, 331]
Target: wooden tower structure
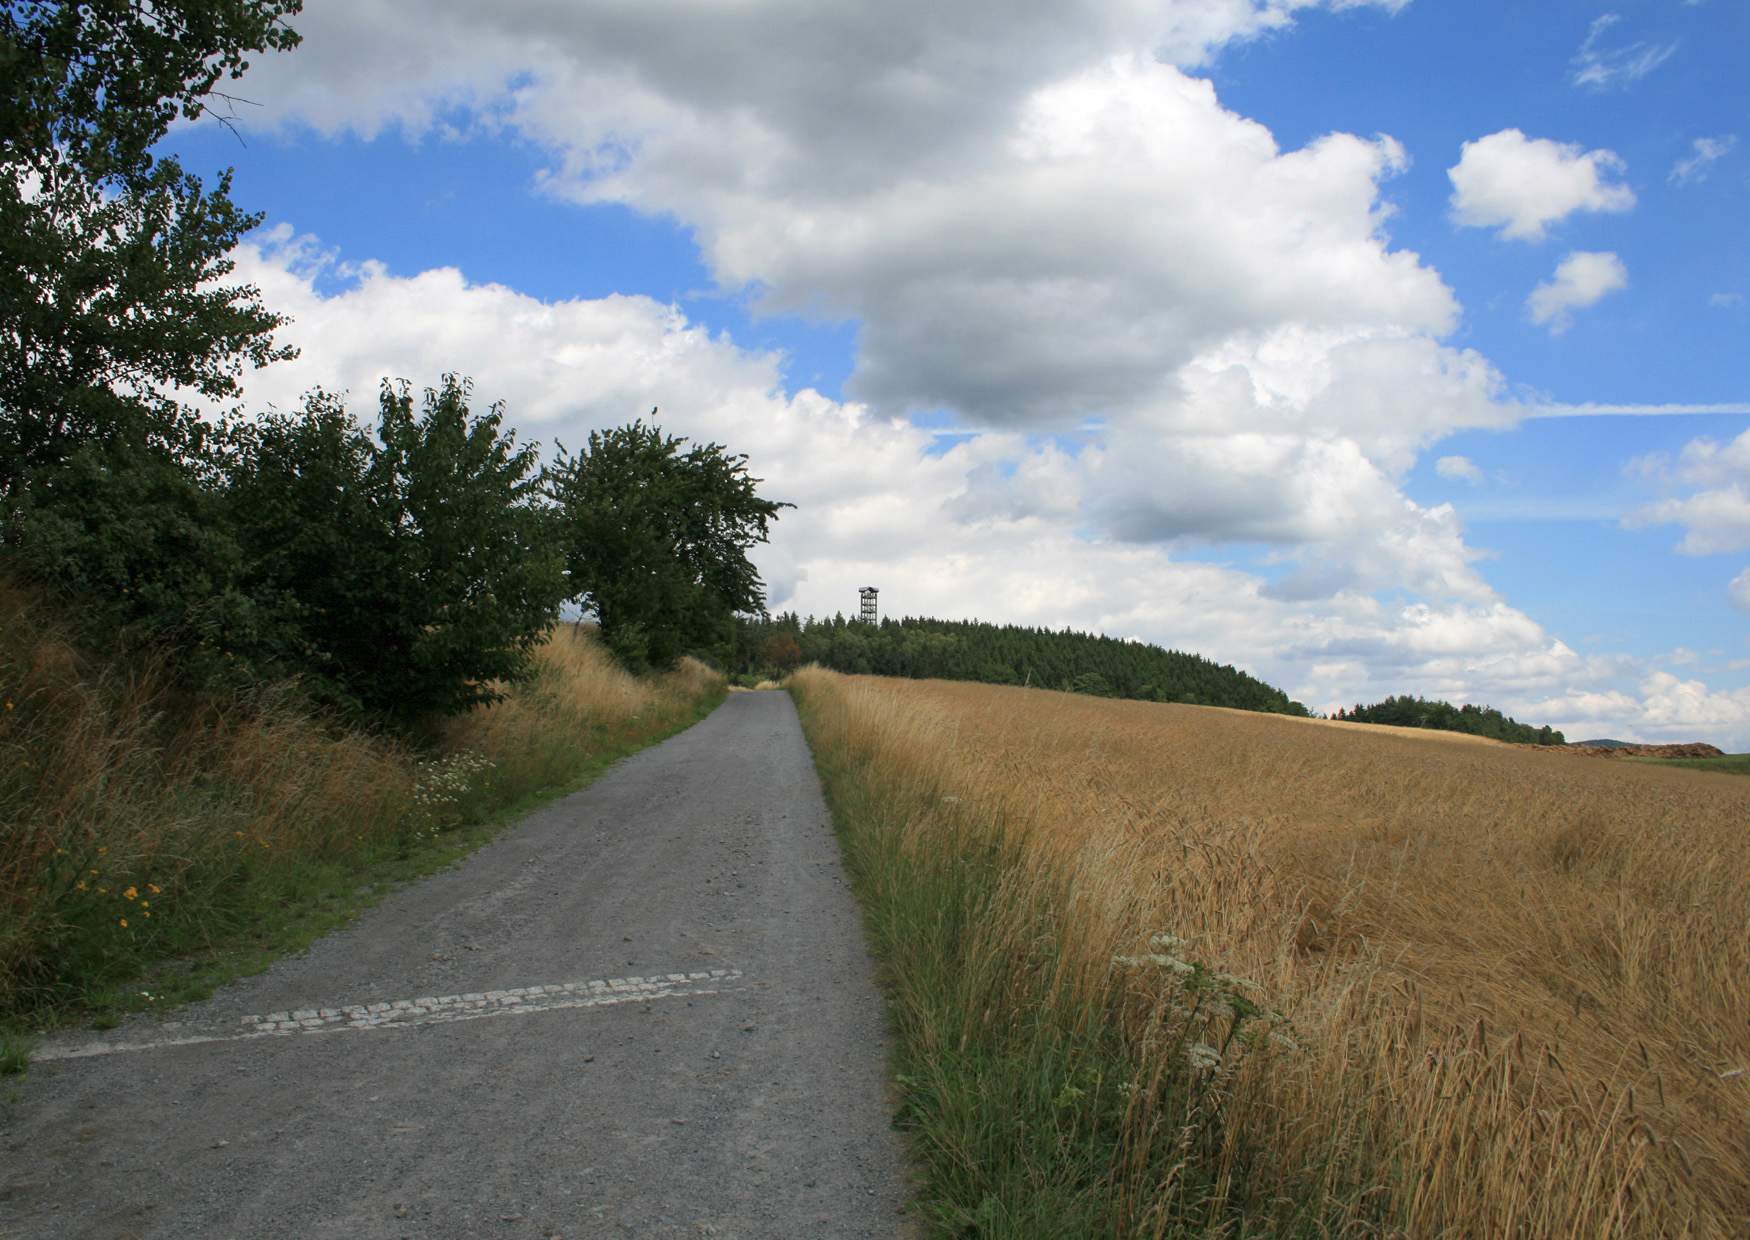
[867, 612]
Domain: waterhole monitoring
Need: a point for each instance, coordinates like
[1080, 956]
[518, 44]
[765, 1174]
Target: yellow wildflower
[132, 893]
[79, 886]
[146, 904]
[122, 922]
[154, 888]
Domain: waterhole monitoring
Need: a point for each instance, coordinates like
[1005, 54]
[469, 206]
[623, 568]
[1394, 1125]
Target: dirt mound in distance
[1695, 749]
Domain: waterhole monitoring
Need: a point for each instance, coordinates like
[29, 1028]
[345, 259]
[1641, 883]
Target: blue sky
[1442, 74]
[1438, 75]
[1233, 306]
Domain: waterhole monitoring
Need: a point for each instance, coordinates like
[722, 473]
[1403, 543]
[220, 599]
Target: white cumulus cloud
[1672, 704]
[1716, 521]
[1582, 279]
[1708, 462]
[1662, 708]
[1459, 468]
[1716, 515]
[1523, 185]
[1034, 224]
[1031, 217]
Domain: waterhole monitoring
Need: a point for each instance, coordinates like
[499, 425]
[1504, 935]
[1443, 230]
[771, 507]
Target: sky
[1372, 346]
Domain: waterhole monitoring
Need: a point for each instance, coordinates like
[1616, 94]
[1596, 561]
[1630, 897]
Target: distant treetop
[1415, 712]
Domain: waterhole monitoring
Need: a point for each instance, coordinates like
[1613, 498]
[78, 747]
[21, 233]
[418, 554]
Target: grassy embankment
[153, 844]
[1511, 986]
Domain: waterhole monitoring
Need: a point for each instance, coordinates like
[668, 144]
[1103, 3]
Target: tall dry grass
[138, 821]
[1518, 984]
[579, 703]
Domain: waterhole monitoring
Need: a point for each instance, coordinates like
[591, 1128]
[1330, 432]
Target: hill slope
[922, 648]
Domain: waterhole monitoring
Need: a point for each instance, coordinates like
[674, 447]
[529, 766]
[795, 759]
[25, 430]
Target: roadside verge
[1047, 1086]
[156, 848]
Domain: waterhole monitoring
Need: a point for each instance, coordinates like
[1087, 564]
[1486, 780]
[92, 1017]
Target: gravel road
[645, 1011]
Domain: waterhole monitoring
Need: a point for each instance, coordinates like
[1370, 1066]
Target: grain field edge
[1038, 1096]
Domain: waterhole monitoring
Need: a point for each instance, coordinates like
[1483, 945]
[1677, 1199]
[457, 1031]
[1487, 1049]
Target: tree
[781, 651]
[656, 540]
[314, 546]
[402, 575]
[112, 304]
[112, 259]
[1092, 682]
[137, 538]
[408, 575]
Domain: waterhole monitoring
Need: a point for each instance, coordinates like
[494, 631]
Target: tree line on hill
[397, 571]
[1007, 654]
[921, 648]
[1415, 712]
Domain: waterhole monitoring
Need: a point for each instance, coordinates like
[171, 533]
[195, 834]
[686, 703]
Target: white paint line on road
[409, 1013]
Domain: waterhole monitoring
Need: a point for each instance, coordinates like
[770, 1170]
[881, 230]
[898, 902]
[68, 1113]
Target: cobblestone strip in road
[402, 1013]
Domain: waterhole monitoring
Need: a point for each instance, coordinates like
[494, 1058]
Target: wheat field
[1519, 985]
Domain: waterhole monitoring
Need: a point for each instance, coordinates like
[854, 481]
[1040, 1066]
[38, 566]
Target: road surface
[645, 1011]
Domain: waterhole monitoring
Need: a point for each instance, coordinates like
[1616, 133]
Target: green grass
[1014, 1126]
[266, 911]
[14, 1053]
[1727, 764]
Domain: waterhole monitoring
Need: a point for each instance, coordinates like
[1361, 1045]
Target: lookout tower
[867, 613]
